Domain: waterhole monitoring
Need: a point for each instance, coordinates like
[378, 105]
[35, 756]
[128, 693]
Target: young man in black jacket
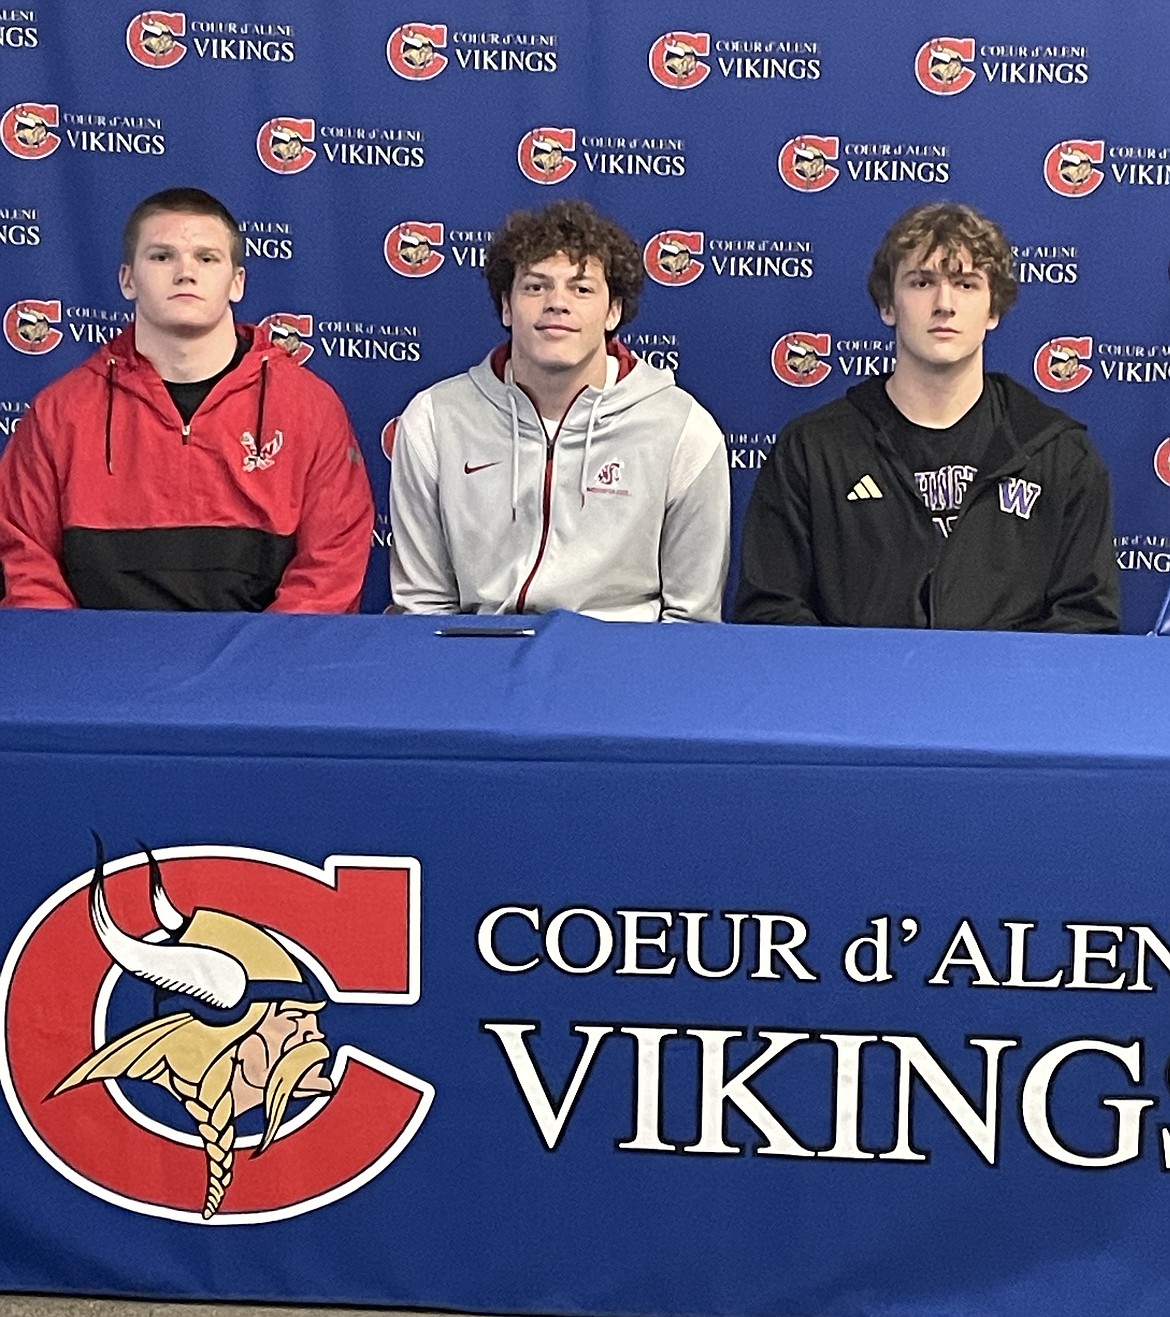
[936, 496]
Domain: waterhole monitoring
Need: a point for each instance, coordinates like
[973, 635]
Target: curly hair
[572, 227]
[952, 229]
[181, 201]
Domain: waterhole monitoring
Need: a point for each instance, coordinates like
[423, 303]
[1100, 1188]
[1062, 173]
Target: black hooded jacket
[1031, 548]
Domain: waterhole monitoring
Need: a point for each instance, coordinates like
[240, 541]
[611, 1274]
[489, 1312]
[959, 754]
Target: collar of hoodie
[501, 361]
[122, 357]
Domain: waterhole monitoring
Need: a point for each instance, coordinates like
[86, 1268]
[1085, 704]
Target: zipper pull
[186, 432]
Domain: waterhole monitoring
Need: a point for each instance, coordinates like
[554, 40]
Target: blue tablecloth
[669, 969]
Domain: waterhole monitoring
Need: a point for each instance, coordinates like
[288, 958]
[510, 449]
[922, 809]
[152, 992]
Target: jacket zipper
[973, 494]
[545, 513]
[186, 432]
[546, 503]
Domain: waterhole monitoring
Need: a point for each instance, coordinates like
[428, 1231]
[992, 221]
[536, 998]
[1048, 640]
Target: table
[680, 970]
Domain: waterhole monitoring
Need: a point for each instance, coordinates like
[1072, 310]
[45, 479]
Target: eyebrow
[974, 273]
[199, 251]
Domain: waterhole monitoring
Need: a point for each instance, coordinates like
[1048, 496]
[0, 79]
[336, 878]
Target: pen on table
[485, 631]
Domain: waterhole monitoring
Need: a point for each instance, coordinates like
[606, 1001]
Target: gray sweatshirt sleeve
[422, 579]
[696, 530]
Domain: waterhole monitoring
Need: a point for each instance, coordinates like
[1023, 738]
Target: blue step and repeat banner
[757, 152]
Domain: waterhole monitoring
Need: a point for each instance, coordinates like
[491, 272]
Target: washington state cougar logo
[543, 154]
[670, 257]
[413, 50]
[797, 358]
[411, 249]
[28, 326]
[26, 130]
[289, 333]
[1069, 168]
[1060, 364]
[170, 1023]
[282, 144]
[150, 38]
[804, 162]
[674, 59]
[941, 65]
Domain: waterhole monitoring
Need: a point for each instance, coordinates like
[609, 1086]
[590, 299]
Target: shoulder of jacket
[1030, 417]
[834, 420]
[72, 387]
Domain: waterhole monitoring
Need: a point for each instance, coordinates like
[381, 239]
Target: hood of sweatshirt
[1023, 423]
[593, 413]
[123, 367]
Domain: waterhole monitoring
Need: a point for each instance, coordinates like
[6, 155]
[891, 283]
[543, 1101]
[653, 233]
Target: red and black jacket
[109, 500]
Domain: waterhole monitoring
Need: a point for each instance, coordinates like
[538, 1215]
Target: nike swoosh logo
[469, 470]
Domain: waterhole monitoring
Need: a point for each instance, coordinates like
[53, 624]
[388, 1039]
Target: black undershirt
[188, 396]
[944, 462]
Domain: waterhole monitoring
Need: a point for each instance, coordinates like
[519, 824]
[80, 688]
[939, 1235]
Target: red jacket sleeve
[30, 522]
[336, 526]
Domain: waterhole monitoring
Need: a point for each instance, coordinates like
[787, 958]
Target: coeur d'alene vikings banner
[757, 156]
[162, 1125]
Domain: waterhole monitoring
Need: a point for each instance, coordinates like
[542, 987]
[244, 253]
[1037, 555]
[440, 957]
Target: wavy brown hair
[572, 227]
[953, 229]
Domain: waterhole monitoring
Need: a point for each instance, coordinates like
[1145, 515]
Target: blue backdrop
[759, 153]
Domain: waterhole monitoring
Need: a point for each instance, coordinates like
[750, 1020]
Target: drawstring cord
[515, 453]
[110, 415]
[260, 405]
[588, 445]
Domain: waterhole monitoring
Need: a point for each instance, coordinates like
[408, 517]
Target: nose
[185, 268]
[556, 299]
[944, 297]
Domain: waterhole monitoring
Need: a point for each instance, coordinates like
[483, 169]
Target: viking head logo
[412, 50]
[543, 154]
[670, 257]
[235, 1023]
[285, 336]
[29, 326]
[1061, 364]
[290, 332]
[804, 162]
[674, 257]
[941, 65]
[798, 358]
[32, 325]
[282, 144]
[27, 131]
[287, 144]
[157, 38]
[30, 129]
[152, 38]
[411, 248]
[1070, 167]
[674, 59]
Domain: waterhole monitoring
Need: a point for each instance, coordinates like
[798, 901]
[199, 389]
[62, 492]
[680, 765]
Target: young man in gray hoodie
[562, 471]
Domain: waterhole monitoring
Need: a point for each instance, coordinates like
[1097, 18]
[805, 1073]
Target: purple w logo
[1018, 496]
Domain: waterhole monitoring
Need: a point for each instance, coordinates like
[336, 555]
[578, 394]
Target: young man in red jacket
[189, 464]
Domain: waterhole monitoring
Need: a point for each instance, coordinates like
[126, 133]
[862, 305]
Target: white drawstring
[515, 453]
[588, 444]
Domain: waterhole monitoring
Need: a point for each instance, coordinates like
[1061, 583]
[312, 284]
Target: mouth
[555, 329]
